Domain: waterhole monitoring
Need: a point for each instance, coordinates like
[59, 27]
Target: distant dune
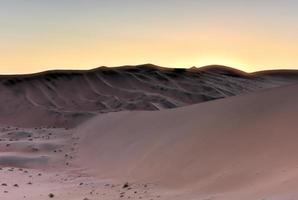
[64, 98]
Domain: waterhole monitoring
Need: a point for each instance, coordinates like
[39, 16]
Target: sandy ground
[38, 162]
[243, 147]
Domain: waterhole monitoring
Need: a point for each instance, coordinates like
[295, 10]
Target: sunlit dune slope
[244, 146]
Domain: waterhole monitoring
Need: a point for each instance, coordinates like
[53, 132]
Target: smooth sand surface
[243, 147]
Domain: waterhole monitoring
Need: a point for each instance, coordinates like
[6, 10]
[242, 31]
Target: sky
[251, 35]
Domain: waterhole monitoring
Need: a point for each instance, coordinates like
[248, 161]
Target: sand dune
[241, 147]
[110, 134]
[65, 98]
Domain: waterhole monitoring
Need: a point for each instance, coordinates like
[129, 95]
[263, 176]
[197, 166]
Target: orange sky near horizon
[38, 36]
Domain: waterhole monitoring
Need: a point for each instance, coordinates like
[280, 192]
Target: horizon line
[204, 67]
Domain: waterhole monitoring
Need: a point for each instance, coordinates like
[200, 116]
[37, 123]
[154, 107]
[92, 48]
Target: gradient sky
[37, 35]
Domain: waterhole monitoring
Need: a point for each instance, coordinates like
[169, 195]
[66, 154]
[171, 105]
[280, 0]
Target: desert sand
[237, 146]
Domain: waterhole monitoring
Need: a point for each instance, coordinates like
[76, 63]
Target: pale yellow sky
[37, 36]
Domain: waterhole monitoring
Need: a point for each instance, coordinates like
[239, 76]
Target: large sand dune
[242, 147]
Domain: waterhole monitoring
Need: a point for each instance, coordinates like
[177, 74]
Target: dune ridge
[64, 98]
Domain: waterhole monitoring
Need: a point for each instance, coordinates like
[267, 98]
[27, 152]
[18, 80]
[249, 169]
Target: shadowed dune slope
[65, 98]
[244, 145]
